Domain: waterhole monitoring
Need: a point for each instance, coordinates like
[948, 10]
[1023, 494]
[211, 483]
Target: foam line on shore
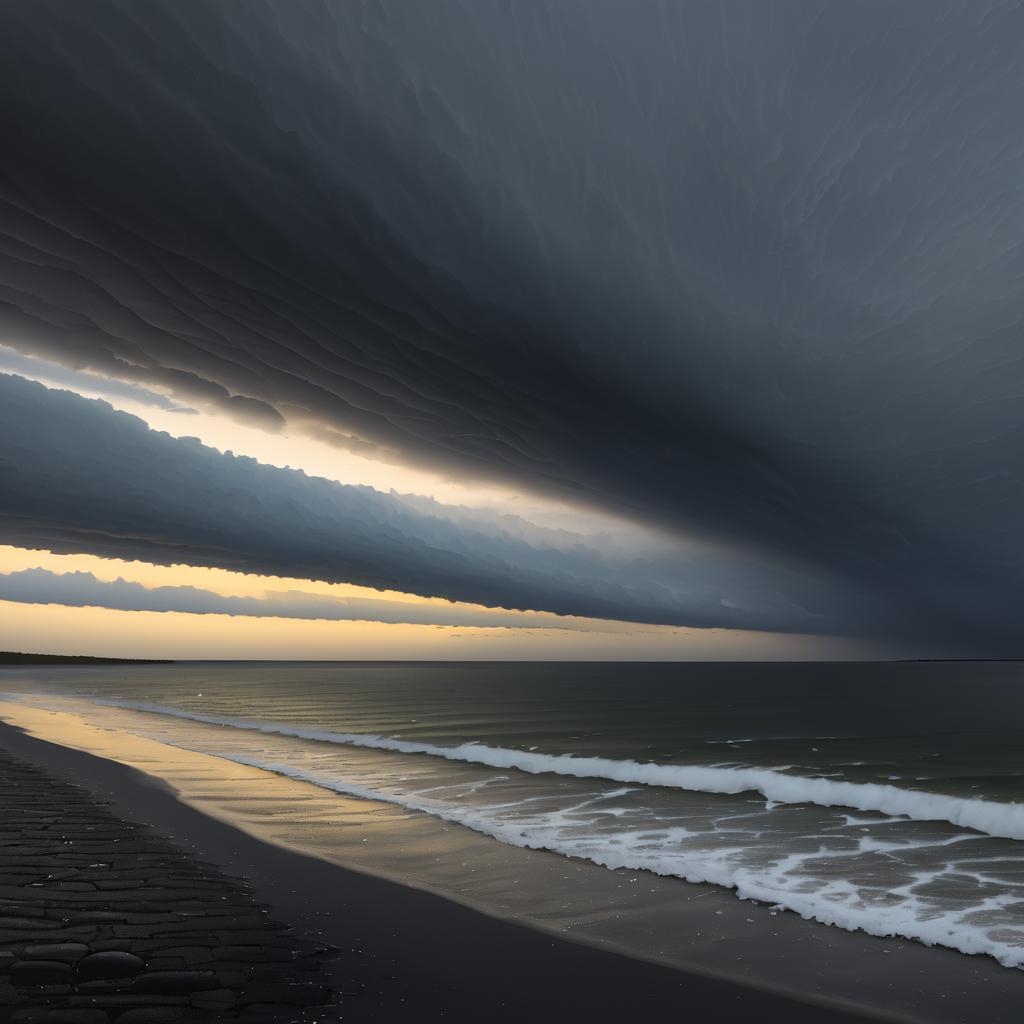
[1004, 820]
[838, 903]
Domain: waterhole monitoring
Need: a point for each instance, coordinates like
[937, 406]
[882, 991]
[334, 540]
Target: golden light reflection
[56, 629]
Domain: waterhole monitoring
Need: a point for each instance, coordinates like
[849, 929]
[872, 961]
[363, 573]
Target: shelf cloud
[78, 476]
[744, 275]
[84, 589]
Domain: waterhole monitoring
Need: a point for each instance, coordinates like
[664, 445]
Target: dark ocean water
[881, 797]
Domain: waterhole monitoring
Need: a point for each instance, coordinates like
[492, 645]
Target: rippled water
[873, 797]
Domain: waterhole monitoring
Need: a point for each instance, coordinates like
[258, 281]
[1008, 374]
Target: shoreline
[692, 929]
[20, 659]
[103, 920]
[409, 953]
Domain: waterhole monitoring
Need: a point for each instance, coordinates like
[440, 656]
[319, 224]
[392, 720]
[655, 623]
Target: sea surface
[886, 798]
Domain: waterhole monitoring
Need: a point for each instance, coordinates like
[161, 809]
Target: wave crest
[1004, 820]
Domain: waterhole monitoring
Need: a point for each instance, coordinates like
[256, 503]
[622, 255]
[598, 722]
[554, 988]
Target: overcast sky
[705, 319]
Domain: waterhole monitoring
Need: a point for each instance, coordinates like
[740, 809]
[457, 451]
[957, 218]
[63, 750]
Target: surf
[994, 818]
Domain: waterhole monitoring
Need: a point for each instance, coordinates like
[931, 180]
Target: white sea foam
[892, 912]
[1005, 820]
[983, 919]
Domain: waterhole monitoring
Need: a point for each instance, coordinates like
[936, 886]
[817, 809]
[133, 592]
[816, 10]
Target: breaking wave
[1004, 820]
[838, 902]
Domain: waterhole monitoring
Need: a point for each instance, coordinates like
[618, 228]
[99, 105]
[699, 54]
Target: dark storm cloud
[77, 476]
[83, 589]
[28, 366]
[744, 269]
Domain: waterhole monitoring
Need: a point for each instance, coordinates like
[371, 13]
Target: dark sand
[408, 955]
[102, 920]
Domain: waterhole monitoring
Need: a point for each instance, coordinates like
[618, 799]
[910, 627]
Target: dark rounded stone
[34, 973]
[111, 963]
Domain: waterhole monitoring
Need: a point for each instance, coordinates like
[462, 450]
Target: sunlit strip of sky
[221, 583]
[135, 634]
[298, 447]
[63, 628]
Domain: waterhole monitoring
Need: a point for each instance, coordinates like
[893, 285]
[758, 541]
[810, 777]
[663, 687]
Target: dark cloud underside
[76, 476]
[83, 589]
[743, 270]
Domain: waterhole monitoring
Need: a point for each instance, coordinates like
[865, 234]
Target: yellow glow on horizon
[57, 629]
[96, 630]
[63, 629]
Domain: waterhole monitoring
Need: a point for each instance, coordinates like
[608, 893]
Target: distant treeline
[15, 658]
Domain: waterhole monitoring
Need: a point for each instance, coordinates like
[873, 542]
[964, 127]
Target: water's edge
[715, 907]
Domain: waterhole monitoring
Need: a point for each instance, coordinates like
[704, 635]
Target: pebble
[67, 952]
[104, 922]
[111, 963]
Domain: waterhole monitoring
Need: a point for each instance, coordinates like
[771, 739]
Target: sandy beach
[403, 954]
[104, 919]
[510, 512]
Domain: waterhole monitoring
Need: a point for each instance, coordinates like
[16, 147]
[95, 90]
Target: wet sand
[103, 920]
[406, 954]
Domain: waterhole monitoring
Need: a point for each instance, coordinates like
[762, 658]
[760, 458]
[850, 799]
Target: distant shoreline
[17, 658]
